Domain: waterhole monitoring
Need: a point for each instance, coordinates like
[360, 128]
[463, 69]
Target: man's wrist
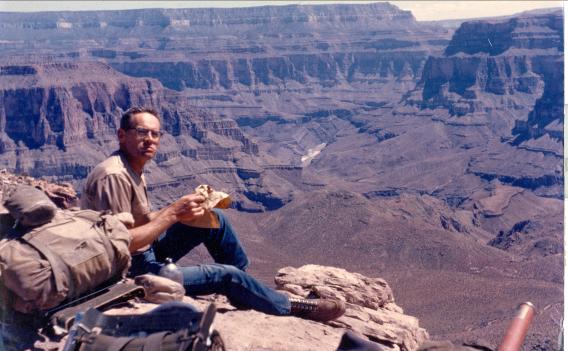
[169, 215]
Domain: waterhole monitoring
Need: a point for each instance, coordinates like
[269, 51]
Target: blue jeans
[19, 331]
[227, 276]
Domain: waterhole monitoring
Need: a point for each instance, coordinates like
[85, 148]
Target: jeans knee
[220, 216]
[232, 277]
[245, 263]
[232, 273]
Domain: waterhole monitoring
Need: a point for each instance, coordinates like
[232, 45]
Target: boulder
[371, 310]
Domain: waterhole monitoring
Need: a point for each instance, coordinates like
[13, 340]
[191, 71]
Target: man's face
[140, 142]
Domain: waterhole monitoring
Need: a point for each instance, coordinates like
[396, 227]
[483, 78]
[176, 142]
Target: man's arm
[114, 192]
[150, 216]
[186, 208]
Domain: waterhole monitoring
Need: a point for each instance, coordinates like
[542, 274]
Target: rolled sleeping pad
[517, 331]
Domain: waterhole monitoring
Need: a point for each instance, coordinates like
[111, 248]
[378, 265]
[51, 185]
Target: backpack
[173, 326]
[71, 254]
[30, 207]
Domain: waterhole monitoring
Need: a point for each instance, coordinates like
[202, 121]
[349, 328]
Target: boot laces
[305, 305]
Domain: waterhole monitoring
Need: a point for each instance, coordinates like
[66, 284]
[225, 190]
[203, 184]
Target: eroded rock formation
[371, 309]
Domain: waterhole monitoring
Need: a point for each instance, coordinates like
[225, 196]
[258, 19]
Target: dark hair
[125, 121]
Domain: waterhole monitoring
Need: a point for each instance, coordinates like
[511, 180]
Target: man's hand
[188, 207]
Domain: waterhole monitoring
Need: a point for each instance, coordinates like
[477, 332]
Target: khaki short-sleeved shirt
[113, 185]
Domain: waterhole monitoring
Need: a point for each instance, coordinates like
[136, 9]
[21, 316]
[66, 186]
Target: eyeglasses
[143, 132]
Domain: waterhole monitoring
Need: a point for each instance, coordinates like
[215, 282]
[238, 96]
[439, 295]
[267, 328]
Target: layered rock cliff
[502, 75]
[57, 120]
[230, 61]
[180, 22]
[222, 48]
[497, 58]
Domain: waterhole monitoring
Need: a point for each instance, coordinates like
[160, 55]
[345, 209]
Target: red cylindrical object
[517, 331]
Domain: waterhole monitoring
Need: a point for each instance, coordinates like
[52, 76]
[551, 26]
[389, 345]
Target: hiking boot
[317, 309]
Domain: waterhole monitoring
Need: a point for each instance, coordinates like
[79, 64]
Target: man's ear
[121, 135]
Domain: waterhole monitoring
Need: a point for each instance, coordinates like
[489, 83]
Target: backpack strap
[59, 268]
[118, 344]
[202, 335]
[154, 341]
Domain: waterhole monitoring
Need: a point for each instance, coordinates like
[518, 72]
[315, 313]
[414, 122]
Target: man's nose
[148, 139]
[149, 136]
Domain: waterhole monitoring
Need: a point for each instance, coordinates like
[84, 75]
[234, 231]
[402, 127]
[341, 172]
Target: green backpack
[58, 257]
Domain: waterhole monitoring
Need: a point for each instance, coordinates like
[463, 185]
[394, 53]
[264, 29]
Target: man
[118, 184]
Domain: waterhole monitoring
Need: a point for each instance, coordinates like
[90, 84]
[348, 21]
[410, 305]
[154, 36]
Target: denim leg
[19, 331]
[143, 263]
[242, 290]
[222, 243]
[17, 337]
